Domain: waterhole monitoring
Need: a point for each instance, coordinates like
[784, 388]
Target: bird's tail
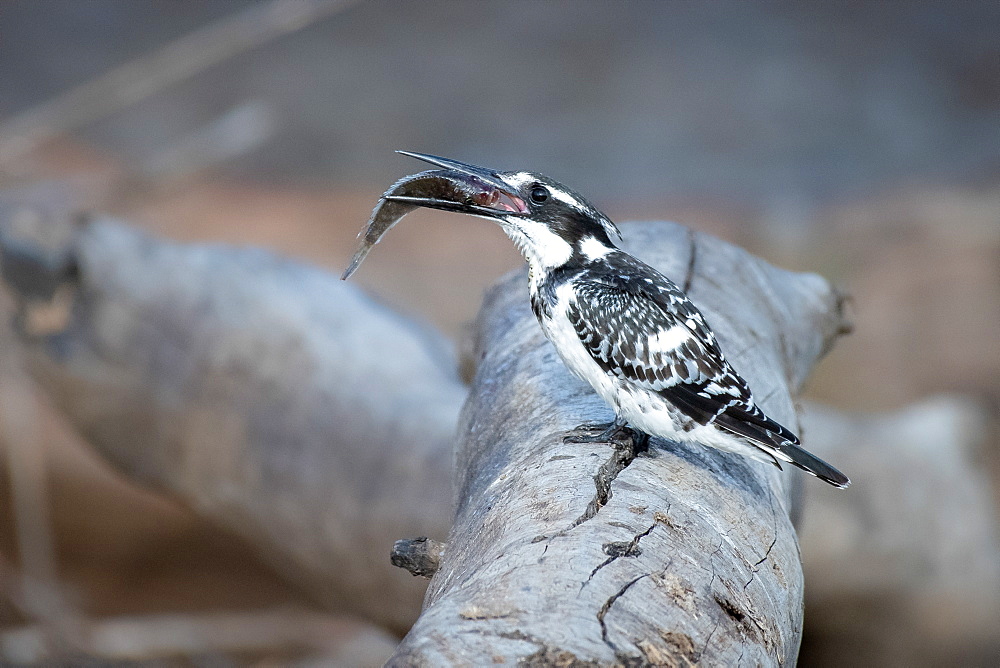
[783, 449]
[808, 462]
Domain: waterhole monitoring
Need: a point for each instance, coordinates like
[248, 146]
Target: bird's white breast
[574, 354]
[638, 406]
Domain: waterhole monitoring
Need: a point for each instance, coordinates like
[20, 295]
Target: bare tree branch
[156, 637]
[269, 396]
[564, 553]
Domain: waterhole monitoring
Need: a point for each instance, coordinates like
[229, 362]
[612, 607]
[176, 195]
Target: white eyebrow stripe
[565, 198]
[518, 179]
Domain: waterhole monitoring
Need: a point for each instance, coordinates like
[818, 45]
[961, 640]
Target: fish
[445, 189]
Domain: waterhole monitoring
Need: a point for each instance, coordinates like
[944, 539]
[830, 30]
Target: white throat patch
[538, 244]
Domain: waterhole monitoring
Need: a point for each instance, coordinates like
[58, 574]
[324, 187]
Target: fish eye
[539, 193]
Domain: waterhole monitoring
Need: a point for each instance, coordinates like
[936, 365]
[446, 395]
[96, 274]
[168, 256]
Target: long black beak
[488, 175]
[485, 192]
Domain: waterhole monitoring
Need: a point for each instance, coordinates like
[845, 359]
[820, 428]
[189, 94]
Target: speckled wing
[640, 327]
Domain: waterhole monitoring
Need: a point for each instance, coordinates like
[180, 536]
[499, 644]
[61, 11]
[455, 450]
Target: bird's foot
[617, 434]
[593, 432]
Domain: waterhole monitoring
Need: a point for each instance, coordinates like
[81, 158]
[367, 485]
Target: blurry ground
[857, 140]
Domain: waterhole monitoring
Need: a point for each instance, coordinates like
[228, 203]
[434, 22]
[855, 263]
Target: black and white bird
[623, 327]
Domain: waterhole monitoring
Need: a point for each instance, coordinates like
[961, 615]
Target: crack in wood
[623, 456]
[619, 549]
[742, 617]
[623, 658]
[602, 613]
[709, 640]
[767, 553]
[753, 569]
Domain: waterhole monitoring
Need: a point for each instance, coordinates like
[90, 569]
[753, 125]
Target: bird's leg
[640, 440]
[594, 432]
[617, 433]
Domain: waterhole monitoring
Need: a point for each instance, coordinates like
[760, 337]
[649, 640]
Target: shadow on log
[269, 396]
[566, 553]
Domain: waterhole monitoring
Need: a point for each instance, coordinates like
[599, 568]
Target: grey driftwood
[267, 395]
[567, 553]
[318, 425]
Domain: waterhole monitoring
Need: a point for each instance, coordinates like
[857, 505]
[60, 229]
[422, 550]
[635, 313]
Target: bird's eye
[539, 194]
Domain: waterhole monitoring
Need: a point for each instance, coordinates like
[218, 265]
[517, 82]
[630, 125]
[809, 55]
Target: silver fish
[445, 189]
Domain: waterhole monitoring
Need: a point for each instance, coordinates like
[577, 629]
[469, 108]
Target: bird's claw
[619, 435]
[588, 432]
[592, 432]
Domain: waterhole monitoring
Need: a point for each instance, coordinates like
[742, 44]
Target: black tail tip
[820, 469]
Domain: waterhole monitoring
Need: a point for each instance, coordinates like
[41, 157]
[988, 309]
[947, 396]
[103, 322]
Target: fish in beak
[457, 187]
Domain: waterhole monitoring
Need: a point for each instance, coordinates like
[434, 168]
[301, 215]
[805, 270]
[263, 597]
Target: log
[257, 391]
[269, 396]
[904, 570]
[569, 554]
[212, 638]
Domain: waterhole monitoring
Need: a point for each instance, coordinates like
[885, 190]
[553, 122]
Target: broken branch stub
[420, 556]
[577, 552]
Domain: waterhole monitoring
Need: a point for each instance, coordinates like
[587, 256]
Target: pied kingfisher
[617, 323]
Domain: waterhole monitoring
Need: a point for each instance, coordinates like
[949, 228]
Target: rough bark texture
[567, 552]
[269, 396]
[905, 569]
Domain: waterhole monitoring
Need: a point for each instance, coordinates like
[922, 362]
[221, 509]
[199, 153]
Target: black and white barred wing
[657, 340]
[648, 333]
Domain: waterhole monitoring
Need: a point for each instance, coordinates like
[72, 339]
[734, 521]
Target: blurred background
[859, 140]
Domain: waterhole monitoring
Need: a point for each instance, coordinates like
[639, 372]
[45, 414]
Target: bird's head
[548, 222]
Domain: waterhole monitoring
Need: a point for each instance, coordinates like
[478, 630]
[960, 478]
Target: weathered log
[206, 638]
[904, 570]
[267, 395]
[198, 369]
[564, 553]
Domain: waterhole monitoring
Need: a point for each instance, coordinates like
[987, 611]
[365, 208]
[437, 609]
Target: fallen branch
[156, 637]
[269, 396]
[564, 553]
[317, 424]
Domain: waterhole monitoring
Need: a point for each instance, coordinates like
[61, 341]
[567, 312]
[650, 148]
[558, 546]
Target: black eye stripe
[539, 193]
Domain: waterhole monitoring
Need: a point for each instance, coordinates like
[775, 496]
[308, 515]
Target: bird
[620, 325]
